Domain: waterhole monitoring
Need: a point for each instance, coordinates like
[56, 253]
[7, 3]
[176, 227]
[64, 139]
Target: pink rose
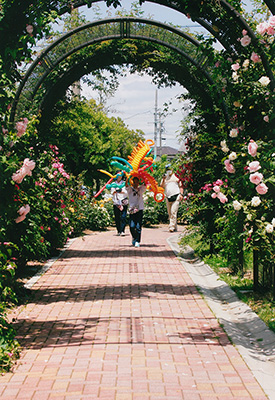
[254, 166]
[262, 188]
[252, 148]
[216, 189]
[20, 218]
[21, 127]
[270, 30]
[262, 28]
[229, 167]
[244, 32]
[29, 163]
[26, 171]
[271, 20]
[18, 176]
[223, 199]
[256, 178]
[24, 210]
[235, 67]
[28, 166]
[29, 29]
[245, 41]
[266, 118]
[255, 57]
[214, 195]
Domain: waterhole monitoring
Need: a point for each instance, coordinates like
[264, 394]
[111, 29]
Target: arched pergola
[224, 22]
[37, 84]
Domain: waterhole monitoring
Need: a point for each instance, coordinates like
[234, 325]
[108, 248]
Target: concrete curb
[254, 341]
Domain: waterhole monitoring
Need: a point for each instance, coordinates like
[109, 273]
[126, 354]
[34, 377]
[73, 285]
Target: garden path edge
[251, 336]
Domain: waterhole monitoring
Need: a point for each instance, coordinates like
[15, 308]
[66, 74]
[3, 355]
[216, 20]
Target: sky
[135, 100]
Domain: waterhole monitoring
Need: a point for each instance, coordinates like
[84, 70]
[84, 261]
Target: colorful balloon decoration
[137, 165]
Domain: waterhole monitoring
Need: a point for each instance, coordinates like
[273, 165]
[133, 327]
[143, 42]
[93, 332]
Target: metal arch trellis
[107, 29]
[217, 20]
[169, 3]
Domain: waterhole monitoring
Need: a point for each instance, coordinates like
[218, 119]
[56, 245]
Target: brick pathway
[109, 321]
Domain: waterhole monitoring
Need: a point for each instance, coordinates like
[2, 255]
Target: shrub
[98, 217]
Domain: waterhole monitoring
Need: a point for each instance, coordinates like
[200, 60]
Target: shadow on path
[93, 293]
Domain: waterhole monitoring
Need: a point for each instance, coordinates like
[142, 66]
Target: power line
[134, 115]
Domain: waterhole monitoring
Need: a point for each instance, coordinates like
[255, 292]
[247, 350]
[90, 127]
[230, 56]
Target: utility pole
[160, 136]
[156, 124]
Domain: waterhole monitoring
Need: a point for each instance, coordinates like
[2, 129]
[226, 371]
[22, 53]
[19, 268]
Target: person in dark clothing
[136, 206]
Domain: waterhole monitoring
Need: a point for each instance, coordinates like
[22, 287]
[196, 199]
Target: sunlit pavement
[111, 321]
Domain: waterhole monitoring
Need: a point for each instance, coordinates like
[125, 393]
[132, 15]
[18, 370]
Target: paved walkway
[110, 321]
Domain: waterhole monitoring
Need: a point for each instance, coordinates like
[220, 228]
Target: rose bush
[245, 205]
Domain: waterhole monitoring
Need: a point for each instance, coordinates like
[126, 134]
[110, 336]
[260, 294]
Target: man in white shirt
[173, 195]
[136, 206]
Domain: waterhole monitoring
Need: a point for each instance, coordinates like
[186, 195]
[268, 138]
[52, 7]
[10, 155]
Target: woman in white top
[136, 206]
[120, 205]
[173, 195]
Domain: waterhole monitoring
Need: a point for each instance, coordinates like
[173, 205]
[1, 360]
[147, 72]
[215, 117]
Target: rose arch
[219, 18]
[78, 53]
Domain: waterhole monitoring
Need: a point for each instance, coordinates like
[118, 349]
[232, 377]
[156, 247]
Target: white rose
[264, 80]
[224, 147]
[269, 228]
[232, 156]
[249, 217]
[235, 76]
[273, 222]
[246, 63]
[256, 201]
[233, 133]
[237, 205]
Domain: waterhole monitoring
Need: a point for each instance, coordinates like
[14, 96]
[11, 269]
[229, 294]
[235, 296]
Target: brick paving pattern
[110, 321]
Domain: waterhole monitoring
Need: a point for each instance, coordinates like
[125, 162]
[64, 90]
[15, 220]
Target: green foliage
[9, 347]
[150, 214]
[7, 272]
[88, 137]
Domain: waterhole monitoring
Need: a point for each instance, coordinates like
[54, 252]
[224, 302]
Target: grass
[262, 303]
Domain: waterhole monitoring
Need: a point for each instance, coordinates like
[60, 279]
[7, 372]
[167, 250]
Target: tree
[88, 137]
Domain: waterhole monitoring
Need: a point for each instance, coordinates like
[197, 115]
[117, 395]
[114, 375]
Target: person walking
[120, 205]
[136, 206]
[173, 195]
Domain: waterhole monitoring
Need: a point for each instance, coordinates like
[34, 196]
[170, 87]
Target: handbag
[173, 198]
